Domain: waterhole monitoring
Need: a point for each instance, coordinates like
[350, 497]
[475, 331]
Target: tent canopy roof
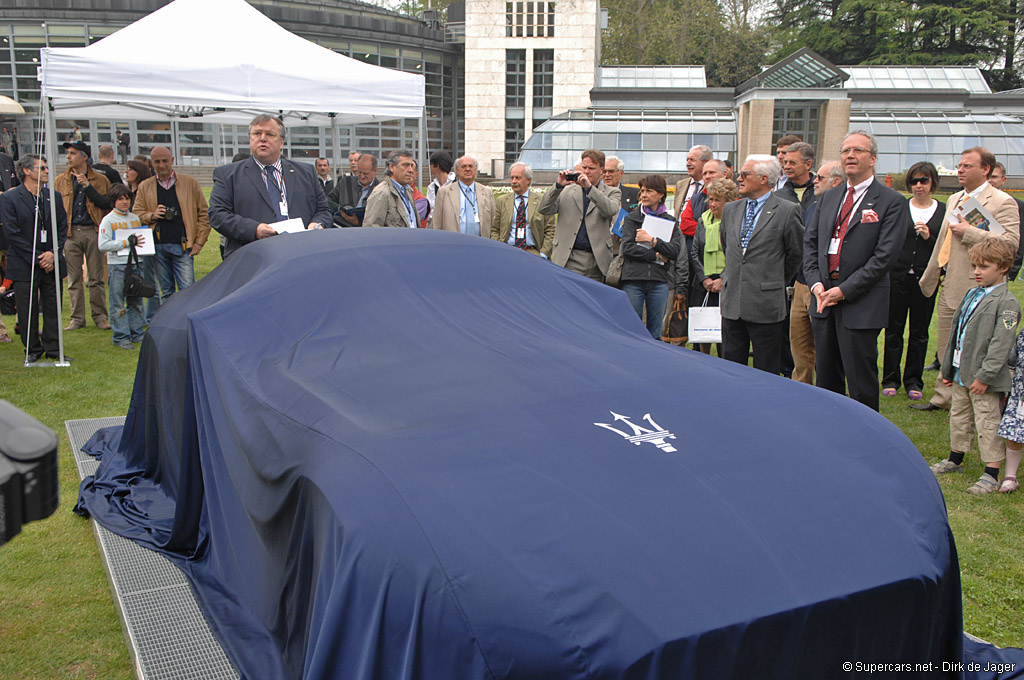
[235, 62]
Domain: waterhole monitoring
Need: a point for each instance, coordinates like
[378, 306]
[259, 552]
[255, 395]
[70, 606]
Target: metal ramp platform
[167, 634]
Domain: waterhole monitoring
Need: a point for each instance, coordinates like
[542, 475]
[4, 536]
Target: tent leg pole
[174, 140]
[423, 146]
[335, 144]
[51, 152]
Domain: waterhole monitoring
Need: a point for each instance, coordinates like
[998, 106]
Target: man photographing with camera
[174, 206]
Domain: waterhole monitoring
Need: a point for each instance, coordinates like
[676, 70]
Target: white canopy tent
[229, 63]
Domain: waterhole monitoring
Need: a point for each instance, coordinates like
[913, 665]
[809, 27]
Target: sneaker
[944, 467]
[124, 345]
[986, 484]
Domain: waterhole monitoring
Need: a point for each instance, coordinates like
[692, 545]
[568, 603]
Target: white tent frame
[234, 50]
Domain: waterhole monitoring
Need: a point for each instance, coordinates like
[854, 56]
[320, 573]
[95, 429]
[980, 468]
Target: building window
[515, 79]
[543, 85]
[530, 19]
[514, 136]
[796, 118]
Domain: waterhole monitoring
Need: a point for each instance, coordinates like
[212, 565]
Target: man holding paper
[954, 240]
[762, 237]
[174, 206]
[250, 197]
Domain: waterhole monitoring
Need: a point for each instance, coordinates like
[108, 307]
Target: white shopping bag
[705, 324]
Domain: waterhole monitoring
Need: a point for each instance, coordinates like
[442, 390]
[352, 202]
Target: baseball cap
[81, 146]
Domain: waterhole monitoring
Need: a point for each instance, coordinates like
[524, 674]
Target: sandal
[889, 392]
[986, 484]
[1009, 485]
[914, 394]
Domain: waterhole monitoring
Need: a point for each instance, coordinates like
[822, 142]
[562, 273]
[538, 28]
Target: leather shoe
[56, 356]
[34, 357]
[103, 326]
[5, 338]
[927, 406]
[74, 326]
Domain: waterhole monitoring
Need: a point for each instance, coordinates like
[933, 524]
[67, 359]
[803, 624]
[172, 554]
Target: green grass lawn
[58, 618]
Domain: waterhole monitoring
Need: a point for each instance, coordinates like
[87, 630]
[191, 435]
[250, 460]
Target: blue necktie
[273, 191]
[748, 223]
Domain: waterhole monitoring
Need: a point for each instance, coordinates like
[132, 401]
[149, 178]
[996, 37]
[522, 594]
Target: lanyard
[470, 196]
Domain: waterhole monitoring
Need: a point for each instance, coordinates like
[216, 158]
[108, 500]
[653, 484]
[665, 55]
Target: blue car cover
[404, 454]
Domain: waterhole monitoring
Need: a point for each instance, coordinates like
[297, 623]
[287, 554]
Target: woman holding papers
[650, 243]
[905, 296]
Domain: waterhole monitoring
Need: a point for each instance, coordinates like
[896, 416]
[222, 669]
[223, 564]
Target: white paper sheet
[292, 226]
[145, 233]
[659, 227]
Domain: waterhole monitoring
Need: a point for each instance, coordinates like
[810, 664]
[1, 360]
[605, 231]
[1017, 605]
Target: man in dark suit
[34, 280]
[323, 174]
[854, 239]
[353, 191]
[997, 179]
[248, 197]
[762, 237]
[614, 168]
[8, 173]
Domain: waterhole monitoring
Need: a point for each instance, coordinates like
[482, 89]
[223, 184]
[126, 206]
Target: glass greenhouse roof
[652, 76]
[917, 77]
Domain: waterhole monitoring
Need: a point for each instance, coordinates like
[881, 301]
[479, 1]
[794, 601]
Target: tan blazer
[567, 202]
[446, 207]
[682, 186]
[385, 208]
[959, 278]
[541, 226]
[191, 201]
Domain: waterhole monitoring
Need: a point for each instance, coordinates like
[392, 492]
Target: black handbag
[134, 284]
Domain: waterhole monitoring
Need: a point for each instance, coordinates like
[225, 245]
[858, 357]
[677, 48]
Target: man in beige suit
[465, 205]
[390, 204]
[950, 252]
[517, 221]
[585, 209]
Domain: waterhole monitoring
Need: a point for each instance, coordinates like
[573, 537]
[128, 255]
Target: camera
[28, 470]
[170, 213]
[572, 176]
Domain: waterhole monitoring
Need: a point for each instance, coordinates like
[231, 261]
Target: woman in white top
[905, 296]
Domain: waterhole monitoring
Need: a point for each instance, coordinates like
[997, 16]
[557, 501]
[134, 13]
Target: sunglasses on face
[917, 180]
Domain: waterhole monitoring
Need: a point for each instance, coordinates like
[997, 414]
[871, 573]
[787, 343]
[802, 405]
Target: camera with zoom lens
[170, 213]
[28, 470]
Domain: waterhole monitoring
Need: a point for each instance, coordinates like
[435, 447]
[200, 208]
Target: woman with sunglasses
[905, 296]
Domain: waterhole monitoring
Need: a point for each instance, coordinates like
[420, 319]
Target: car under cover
[391, 453]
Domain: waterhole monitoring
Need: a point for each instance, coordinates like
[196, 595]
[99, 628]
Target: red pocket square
[868, 216]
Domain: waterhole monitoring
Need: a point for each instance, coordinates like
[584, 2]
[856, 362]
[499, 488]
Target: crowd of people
[806, 268]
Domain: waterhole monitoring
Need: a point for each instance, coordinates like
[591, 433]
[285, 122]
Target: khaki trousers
[583, 262]
[801, 337]
[945, 310]
[82, 245]
[976, 413]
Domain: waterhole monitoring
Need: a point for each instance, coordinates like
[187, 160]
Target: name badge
[833, 247]
[476, 216]
[956, 358]
[520, 232]
[42, 236]
[283, 207]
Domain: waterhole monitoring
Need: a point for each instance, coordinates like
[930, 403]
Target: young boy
[125, 313]
[983, 332]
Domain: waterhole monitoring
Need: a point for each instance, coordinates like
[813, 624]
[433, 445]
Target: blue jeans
[655, 294]
[125, 313]
[174, 269]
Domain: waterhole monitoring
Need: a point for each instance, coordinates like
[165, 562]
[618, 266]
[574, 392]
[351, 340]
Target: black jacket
[917, 251]
[638, 260]
[113, 175]
[17, 213]
[788, 193]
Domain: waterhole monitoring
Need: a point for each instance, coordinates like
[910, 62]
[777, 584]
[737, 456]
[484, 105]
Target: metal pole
[174, 140]
[423, 145]
[335, 143]
[51, 153]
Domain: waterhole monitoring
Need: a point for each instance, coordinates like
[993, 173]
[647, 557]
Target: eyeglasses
[744, 173]
[965, 166]
[853, 149]
[918, 180]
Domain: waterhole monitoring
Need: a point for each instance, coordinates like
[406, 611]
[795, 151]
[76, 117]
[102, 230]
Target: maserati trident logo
[656, 436]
